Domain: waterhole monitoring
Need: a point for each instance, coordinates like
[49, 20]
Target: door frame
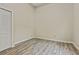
[12, 41]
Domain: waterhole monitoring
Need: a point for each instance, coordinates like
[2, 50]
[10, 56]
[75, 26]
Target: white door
[5, 29]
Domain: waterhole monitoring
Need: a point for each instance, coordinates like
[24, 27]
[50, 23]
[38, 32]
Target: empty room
[39, 28]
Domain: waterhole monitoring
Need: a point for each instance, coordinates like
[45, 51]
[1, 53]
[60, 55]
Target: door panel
[5, 29]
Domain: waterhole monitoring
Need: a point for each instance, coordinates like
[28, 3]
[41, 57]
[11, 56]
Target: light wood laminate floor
[41, 47]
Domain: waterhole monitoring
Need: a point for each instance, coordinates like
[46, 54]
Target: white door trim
[12, 39]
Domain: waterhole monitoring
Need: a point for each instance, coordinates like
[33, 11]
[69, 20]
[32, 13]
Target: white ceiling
[38, 4]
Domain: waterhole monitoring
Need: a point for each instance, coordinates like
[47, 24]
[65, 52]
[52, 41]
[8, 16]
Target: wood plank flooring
[41, 47]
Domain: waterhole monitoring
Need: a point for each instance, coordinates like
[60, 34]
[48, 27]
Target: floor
[41, 47]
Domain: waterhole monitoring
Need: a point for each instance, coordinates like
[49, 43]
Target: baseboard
[75, 45]
[22, 41]
[13, 45]
[55, 40]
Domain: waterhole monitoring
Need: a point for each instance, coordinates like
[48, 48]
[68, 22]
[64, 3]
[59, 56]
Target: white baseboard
[56, 40]
[13, 45]
[22, 41]
[75, 45]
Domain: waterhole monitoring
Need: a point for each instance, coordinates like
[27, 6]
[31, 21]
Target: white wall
[22, 21]
[54, 21]
[76, 25]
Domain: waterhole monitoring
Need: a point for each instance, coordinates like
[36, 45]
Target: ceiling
[38, 4]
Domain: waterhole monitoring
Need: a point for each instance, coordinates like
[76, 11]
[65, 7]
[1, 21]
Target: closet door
[5, 29]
